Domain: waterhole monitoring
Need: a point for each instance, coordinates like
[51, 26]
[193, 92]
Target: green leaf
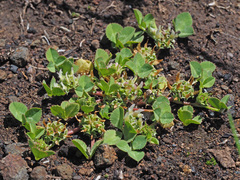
[123, 146]
[126, 34]
[87, 109]
[208, 66]
[104, 112]
[71, 110]
[81, 147]
[145, 70]
[129, 132]
[139, 142]
[196, 69]
[47, 89]
[136, 63]
[214, 102]
[225, 99]
[111, 137]
[187, 108]
[136, 155]
[112, 30]
[166, 118]
[39, 132]
[154, 140]
[103, 86]
[161, 99]
[34, 115]
[113, 88]
[86, 83]
[52, 55]
[38, 153]
[17, 109]
[139, 16]
[149, 20]
[184, 115]
[183, 23]
[116, 117]
[51, 67]
[57, 110]
[208, 82]
[94, 148]
[57, 91]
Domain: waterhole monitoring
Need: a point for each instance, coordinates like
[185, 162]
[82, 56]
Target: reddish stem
[73, 131]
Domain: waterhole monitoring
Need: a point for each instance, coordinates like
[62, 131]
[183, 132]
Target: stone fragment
[2, 42]
[38, 173]
[104, 156]
[16, 148]
[3, 75]
[85, 171]
[65, 171]
[173, 65]
[13, 167]
[20, 57]
[95, 44]
[223, 157]
[224, 87]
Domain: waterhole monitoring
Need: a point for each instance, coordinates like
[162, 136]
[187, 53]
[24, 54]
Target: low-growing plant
[41, 138]
[126, 86]
[165, 38]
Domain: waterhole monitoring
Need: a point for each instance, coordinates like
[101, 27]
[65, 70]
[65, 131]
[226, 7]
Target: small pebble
[95, 44]
[13, 68]
[224, 87]
[230, 55]
[31, 30]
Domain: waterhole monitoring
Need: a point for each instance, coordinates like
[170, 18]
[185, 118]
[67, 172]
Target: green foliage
[183, 24]
[41, 139]
[126, 86]
[123, 37]
[82, 147]
[185, 114]
[211, 162]
[66, 110]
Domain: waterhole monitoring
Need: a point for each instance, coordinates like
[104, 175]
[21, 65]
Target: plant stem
[194, 104]
[234, 132]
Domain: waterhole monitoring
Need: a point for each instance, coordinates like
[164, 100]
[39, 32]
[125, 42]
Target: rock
[231, 103]
[13, 68]
[224, 87]
[223, 157]
[230, 55]
[167, 140]
[20, 57]
[65, 171]
[31, 30]
[16, 148]
[77, 178]
[68, 150]
[85, 171]
[38, 173]
[104, 156]
[95, 44]
[13, 167]
[2, 42]
[173, 65]
[3, 75]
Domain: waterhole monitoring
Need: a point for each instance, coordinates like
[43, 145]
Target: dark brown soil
[183, 151]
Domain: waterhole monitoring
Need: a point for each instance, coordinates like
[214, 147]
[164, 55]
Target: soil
[183, 152]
